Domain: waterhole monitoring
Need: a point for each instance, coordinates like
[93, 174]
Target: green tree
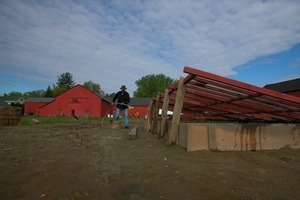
[110, 95]
[58, 90]
[48, 92]
[95, 87]
[65, 80]
[14, 94]
[34, 93]
[150, 85]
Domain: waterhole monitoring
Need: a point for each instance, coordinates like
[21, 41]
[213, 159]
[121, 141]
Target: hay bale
[10, 115]
[35, 121]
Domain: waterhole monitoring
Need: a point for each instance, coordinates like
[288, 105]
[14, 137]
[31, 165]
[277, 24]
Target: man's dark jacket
[123, 97]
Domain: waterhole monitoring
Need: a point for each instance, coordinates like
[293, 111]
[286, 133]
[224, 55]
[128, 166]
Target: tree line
[147, 86]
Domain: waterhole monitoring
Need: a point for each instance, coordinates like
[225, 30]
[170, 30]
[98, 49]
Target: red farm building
[79, 101]
[139, 106]
[32, 105]
[291, 87]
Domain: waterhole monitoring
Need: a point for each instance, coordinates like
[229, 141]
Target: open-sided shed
[206, 97]
[212, 97]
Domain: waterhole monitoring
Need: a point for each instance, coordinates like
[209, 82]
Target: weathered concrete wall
[182, 135]
[238, 137]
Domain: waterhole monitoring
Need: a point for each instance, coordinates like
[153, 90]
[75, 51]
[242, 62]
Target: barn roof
[140, 101]
[212, 97]
[134, 101]
[3, 103]
[40, 100]
[285, 86]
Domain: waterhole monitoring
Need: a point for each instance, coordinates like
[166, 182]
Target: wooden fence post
[148, 119]
[155, 115]
[164, 113]
[177, 112]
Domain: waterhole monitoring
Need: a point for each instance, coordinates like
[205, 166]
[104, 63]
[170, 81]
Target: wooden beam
[177, 112]
[188, 78]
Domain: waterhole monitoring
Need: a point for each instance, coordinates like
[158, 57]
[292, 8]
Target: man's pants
[118, 112]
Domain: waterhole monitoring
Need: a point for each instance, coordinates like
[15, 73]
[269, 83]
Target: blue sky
[117, 42]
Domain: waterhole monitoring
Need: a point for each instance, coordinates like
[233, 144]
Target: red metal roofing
[212, 97]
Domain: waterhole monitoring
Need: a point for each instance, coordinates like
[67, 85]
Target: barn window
[74, 101]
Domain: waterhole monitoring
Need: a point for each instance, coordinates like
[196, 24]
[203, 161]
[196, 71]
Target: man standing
[122, 104]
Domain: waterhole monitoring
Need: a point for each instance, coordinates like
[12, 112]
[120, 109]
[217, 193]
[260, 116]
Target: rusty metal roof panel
[212, 97]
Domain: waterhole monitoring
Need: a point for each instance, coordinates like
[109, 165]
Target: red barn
[32, 105]
[78, 100]
[140, 106]
[291, 87]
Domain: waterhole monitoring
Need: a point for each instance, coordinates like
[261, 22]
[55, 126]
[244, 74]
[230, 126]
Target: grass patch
[27, 120]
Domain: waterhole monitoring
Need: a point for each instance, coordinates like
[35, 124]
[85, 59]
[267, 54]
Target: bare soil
[87, 161]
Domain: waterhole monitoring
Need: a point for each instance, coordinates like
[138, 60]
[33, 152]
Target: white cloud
[118, 42]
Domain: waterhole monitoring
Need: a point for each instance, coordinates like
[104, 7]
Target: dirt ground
[87, 161]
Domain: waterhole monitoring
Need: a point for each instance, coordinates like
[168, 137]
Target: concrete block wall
[238, 137]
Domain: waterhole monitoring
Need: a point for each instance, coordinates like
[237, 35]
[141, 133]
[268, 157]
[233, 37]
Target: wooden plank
[177, 112]
[164, 112]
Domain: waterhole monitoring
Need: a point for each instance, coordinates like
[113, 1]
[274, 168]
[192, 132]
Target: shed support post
[164, 113]
[154, 128]
[148, 119]
[177, 112]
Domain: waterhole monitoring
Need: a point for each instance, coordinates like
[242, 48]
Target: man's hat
[123, 87]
